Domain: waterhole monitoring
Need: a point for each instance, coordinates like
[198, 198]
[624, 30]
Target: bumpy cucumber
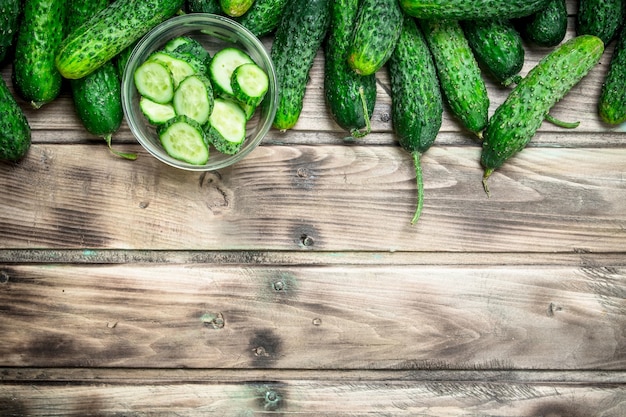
[498, 46]
[417, 104]
[459, 73]
[298, 37]
[515, 121]
[546, 27]
[35, 77]
[470, 9]
[601, 18]
[350, 97]
[14, 128]
[612, 101]
[378, 26]
[204, 6]
[9, 21]
[263, 16]
[109, 32]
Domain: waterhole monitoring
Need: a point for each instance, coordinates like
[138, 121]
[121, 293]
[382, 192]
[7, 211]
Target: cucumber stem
[486, 176]
[420, 186]
[560, 123]
[125, 155]
[357, 133]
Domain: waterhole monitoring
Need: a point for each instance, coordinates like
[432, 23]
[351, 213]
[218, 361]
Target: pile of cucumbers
[437, 53]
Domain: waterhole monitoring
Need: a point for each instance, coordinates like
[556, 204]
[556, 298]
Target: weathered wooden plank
[291, 317]
[316, 197]
[323, 398]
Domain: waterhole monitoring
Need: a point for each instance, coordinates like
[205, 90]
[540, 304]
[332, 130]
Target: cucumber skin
[97, 96]
[15, 133]
[9, 23]
[298, 37]
[204, 6]
[417, 102]
[342, 86]
[378, 26]
[108, 32]
[459, 73]
[35, 77]
[612, 101]
[548, 26]
[601, 18]
[498, 46]
[263, 16]
[515, 121]
[470, 9]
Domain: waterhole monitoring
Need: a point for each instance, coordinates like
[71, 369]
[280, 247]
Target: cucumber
[377, 28]
[263, 16]
[497, 46]
[417, 103]
[226, 129]
[298, 37]
[515, 121]
[250, 84]
[154, 80]
[546, 27]
[612, 101]
[222, 66]
[194, 98]
[350, 97]
[35, 77]
[181, 65]
[15, 134]
[601, 18]
[109, 32]
[189, 46]
[9, 21]
[185, 140]
[156, 113]
[235, 8]
[97, 96]
[470, 9]
[459, 73]
[204, 6]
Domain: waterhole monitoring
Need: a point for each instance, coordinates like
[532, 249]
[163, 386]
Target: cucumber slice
[194, 98]
[156, 113]
[183, 139]
[223, 65]
[180, 65]
[154, 80]
[249, 83]
[174, 43]
[187, 45]
[227, 126]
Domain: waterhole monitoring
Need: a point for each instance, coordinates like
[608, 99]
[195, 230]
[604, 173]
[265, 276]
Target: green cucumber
[9, 22]
[226, 129]
[377, 28]
[35, 77]
[250, 84]
[204, 6]
[601, 18]
[235, 8]
[263, 16]
[194, 98]
[109, 32]
[470, 9]
[97, 96]
[186, 45]
[156, 113]
[417, 103]
[515, 121]
[350, 97]
[497, 46]
[459, 73]
[546, 27]
[181, 65]
[15, 134]
[298, 38]
[184, 139]
[612, 101]
[222, 66]
[154, 80]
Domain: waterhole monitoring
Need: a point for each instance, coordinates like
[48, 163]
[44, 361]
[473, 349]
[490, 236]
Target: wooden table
[294, 284]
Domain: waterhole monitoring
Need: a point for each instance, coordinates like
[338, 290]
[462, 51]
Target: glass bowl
[214, 33]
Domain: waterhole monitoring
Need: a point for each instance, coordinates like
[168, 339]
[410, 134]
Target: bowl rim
[194, 19]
